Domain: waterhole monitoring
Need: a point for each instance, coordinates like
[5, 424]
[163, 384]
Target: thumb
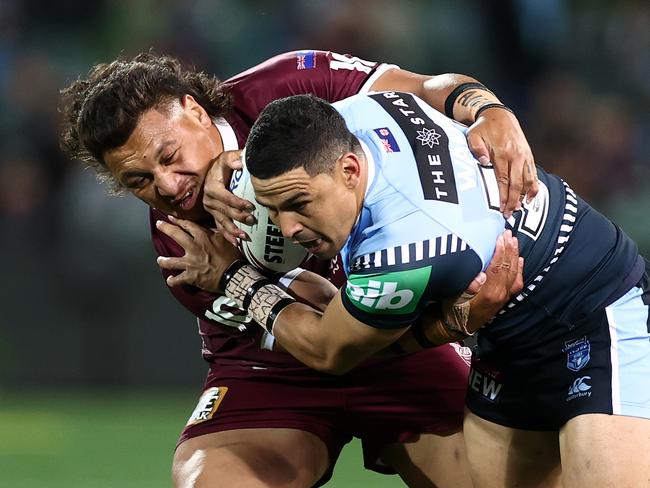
[234, 163]
[231, 158]
[474, 287]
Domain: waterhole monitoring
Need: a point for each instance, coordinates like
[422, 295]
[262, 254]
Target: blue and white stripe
[566, 227]
[410, 253]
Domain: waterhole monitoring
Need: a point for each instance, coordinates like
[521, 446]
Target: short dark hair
[101, 111]
[298, 131]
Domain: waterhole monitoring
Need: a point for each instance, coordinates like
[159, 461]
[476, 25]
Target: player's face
[166, 158]
[316, 212]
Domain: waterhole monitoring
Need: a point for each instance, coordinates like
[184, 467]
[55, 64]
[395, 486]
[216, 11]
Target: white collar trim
[228, 137]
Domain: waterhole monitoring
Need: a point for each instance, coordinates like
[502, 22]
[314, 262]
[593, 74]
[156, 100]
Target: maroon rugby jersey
[328, 75]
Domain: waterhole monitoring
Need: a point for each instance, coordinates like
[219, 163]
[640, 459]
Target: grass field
[54, 439]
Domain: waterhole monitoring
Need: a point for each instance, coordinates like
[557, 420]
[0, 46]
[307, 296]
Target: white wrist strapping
[255, 293]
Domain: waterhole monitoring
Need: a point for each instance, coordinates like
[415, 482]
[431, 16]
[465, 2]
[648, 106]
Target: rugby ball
[267, 250]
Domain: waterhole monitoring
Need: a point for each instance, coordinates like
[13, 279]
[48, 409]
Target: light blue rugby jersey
[429, 223]
[430, 217]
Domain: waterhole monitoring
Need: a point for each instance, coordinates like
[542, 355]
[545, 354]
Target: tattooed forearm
[475, 98]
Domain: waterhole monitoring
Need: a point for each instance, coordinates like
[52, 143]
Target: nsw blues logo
[577, 353]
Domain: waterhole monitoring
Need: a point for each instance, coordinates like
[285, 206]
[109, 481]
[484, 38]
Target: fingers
[180, 279]
[530, 180]
[514, 281]
[221, 199]
[499, 138]
[225, 208]
[479, 148]
[516, 186]
[170, 263]
[188, 226]
[227, 227]
[229, 201]
[178, 234]
[510, 256]
[518, 282]
[475, 286]
[498, 257]
[232, 159]
[218, 200]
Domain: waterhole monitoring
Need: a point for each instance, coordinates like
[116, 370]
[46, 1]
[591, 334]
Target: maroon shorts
[383, 401]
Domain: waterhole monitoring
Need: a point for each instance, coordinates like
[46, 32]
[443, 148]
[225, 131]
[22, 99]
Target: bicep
[400, 80]
[434, 89]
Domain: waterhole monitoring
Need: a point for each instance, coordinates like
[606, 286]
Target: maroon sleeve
[328, 75]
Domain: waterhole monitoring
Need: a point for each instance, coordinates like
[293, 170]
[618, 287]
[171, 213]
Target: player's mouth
[313, 246]
[187, 200]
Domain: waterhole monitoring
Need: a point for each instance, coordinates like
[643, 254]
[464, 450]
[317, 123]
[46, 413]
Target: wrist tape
[443, 333]
[255, 293]
[453, 96]
[455, 314]
[491, 105]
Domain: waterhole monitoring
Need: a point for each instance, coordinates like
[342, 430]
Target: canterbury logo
[580, 385]
[380, 295]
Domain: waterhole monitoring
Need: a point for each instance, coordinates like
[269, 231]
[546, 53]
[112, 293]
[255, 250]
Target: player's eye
[169, 159]
[299, 206]
[137, 182]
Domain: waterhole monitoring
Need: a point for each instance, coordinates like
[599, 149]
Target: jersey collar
[371, 165]
[228, 137]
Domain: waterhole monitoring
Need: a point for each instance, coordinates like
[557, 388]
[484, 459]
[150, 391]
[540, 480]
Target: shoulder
[326, 74]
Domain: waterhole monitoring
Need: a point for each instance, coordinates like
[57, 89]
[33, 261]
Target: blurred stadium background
[99, 367]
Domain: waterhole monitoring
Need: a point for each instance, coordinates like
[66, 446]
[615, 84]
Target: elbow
[335, 364]
[335, 369]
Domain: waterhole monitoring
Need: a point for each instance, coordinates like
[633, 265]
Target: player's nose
[167, 184]
[288, 225]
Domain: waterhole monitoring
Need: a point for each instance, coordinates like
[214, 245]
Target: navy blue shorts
[601, 364]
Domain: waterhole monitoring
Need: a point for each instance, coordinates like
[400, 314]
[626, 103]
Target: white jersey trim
[616, 385]
[228, 137]
[381, 69]
[372, 166]
[289, 277]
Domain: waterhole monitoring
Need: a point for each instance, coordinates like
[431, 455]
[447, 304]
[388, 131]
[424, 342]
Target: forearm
[298, 329]
[333, 341]
[430, 331]
[463, 96]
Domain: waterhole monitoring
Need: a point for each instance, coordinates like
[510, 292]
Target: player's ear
[350, 169]
[194, 109]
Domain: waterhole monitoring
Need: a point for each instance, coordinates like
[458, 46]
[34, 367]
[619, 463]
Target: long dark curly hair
[101, 111]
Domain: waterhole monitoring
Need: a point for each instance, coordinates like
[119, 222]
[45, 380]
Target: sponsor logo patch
[464, 352]
[579, 388]
[429, 143]
[388, 141]
[389, 293]
[428, 137]
[577, 353]
[225, 311]
[207, 405]
[485, 381]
